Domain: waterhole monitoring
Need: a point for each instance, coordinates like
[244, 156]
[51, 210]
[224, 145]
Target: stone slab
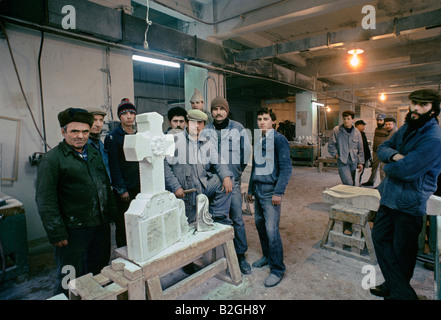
[349, 196]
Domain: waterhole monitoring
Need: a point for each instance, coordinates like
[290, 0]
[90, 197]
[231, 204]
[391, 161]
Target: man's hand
[61, 244]
[360, 167]
[250, 198]
[397, 156]
[276, 200]
[180, 193]
[227, 185]
[125, 197]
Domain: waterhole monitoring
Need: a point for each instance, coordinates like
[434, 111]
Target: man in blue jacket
[413, 163]
[270, 175]
[232, 143]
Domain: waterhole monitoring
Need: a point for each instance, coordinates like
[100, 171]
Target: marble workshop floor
[312, 273]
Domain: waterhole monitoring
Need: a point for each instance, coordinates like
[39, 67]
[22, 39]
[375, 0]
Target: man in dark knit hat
[413, 163]
[75, 201]
[125, 174]
[231, 140]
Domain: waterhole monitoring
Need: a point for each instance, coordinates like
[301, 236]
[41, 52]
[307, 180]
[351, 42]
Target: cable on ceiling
[149, 23]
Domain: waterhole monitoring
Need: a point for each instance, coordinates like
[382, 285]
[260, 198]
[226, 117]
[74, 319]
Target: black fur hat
[75, 115]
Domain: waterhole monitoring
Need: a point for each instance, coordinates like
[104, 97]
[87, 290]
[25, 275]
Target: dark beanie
[125, 106]
[75, 115]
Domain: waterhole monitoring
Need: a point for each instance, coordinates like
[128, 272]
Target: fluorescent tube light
[156, 61]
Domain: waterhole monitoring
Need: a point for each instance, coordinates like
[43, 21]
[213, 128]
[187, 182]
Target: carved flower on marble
[157, 146]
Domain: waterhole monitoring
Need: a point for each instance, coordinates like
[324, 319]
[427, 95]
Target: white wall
[71, 77]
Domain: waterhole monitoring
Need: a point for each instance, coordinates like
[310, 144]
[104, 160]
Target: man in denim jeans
[270, 175]
[346, 144]
[232, 143]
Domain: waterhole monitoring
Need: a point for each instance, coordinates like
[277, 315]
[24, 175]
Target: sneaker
[367, 184]
[273, 280]
[244, 266]
[260, 263]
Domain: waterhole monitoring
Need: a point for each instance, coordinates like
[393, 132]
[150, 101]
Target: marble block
[153, 224]
[355, 197]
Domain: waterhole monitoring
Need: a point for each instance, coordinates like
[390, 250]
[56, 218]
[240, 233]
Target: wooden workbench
[126, 278]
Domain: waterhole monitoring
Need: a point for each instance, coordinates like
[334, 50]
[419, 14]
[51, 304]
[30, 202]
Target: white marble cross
[149, 146]
[156, 218]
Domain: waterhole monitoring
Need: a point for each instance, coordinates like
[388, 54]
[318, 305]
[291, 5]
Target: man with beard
[413, 163]
[231, 141]
[380, 136]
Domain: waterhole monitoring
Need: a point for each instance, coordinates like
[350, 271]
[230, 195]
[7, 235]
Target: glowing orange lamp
[355, 53]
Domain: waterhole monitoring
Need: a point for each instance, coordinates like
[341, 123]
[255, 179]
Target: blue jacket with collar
[271, 162]
[412, 180]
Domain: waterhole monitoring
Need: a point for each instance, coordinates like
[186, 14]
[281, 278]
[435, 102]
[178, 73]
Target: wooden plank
[233, 264]
[346, 240]
[326, 234]
[115, 276]
[195, 279]
[88, 289]
[154, 289]
[136, 290]
[352, 215]
[185, 252]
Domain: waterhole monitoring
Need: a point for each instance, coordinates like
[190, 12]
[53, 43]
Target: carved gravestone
[156, 218]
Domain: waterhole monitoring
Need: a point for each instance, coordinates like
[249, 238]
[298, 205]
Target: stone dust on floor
[312, 273]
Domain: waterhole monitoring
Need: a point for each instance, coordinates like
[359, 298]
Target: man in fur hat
[74, 200]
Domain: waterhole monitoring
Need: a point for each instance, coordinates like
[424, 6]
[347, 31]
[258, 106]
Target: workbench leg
[154, 289]
[328, 228]
[232, 262]
[369, 244]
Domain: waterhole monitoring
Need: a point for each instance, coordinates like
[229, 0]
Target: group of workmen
[83, 184]
[410, 162]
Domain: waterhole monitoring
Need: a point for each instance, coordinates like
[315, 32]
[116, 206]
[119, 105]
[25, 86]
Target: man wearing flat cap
[231, 140]
[380, 135]
[95, 135]
[413, 162]
[74, 200]
[195, 165]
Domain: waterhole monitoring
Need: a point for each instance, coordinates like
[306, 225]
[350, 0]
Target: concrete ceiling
[309, 40]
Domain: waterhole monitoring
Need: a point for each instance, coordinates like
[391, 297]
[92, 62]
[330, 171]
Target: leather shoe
[244, 266]
[273, 280]
[260, 263]
[367, 184]
[380, 291]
